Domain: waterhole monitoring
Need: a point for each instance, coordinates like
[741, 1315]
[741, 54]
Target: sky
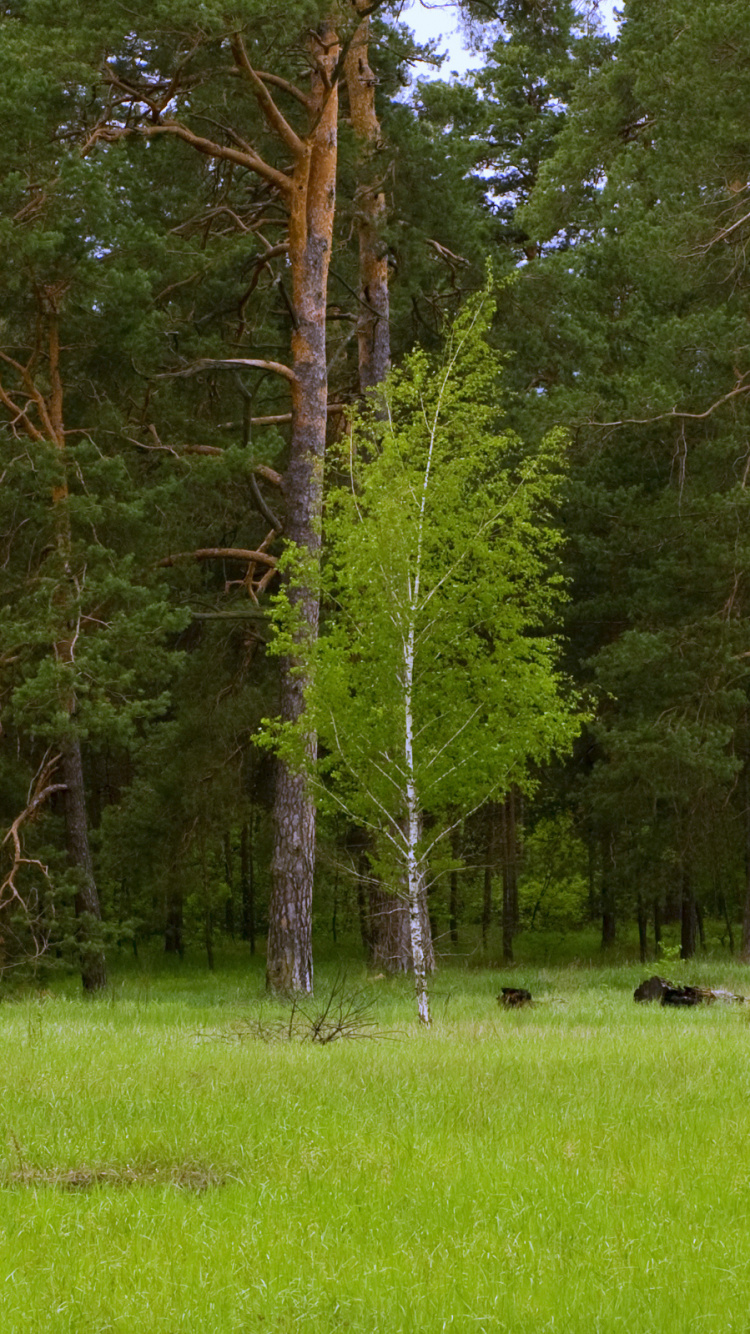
[435, 20]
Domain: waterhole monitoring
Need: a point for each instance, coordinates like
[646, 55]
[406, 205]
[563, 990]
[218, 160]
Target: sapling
[434, 683]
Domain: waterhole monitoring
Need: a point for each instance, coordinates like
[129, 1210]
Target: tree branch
[219, 553]
[742, 387]
[287, 87]
[231, 363]
[247, 158]
[264, 508]
[278, 123]
[41, 790]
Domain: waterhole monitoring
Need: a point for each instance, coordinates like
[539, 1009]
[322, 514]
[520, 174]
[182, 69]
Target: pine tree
[644, 353]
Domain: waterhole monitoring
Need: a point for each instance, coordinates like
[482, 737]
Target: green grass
[582, 1166]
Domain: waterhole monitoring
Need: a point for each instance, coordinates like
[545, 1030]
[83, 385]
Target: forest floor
[580, 1166]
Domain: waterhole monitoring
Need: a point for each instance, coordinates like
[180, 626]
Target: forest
[373, 462]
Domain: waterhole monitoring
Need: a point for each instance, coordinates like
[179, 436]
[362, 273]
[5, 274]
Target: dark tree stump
[653, 989]
[513, 997]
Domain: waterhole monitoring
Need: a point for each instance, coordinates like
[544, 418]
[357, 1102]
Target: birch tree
[434, 684]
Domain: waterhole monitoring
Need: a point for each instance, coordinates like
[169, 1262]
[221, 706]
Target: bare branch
[742, 387]
[230, 363]
[263, 506]
[274, 478]
[40, 791]
[219, 553]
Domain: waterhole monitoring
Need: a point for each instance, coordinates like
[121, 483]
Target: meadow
[576, 1167]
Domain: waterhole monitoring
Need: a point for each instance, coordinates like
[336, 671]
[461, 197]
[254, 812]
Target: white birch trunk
[415, 871]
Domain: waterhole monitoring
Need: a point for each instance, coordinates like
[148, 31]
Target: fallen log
[669, 993]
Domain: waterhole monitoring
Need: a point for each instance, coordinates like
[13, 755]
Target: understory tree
[435, 684]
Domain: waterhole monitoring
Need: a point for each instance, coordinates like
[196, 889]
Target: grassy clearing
[582, 1166]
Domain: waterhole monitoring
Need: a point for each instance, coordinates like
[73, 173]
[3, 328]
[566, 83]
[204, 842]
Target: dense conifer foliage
[218, 227]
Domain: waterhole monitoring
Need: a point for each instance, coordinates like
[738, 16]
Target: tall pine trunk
[373, 328]
[389, 927]
[289, 967]
[87, 907]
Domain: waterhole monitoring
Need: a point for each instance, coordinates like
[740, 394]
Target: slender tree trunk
[373, 330]
[491, 816]
[657, 925]
[453, 908]
[289, 966]
[688, 917]
[642, 929]
[724, 910]
[419, 936]
[518, 819]
[208, 938]
[363, 908]
[87, 909]
[510, 875]
[335, 913]
[609, 913]
[358, 843]
[229, 877]
[745, 943]
[453, 901]
[173, 927]
[418, 920]
[700, 922]
[593, 898]
[247, 873]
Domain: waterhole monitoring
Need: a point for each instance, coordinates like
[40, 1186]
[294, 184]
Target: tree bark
[453, 908]
[642, 929]
[363, 911]
[510, 875]
[247, 874]
[229, 877]
[609, 907]
[87, 908]
[487, 898]
[357, 846]
[389, 925]
[592, 878]
[745, 943]
[688, 917]
[289, 957]
[373, 329]
[173, 925]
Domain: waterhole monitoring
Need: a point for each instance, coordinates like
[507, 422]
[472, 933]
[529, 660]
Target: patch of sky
[441, 23]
